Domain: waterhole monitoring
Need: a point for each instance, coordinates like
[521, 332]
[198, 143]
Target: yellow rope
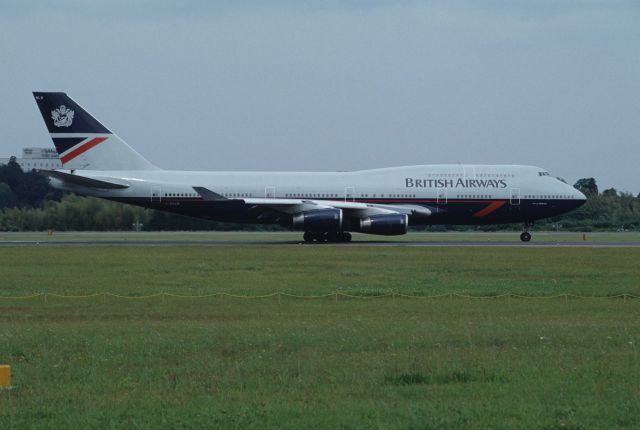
[249, 297]
[182, 296]
[363, 297]
[150, 296]
[559, 296]
[464, 296]
[65, 296]
[437, 296]
[323, 296]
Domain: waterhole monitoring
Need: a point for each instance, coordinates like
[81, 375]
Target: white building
[36, 158]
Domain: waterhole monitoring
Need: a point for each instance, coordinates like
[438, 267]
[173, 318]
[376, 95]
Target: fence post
[336, 297]
[45, 298]
[279, 298]
[393, 295]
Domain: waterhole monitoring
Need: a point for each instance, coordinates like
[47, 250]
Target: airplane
[326, 206]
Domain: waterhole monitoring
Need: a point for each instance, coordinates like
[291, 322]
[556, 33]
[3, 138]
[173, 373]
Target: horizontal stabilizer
[209, 195]
[84, 181]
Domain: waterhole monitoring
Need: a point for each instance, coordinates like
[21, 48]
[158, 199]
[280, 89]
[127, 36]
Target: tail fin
[82, 141]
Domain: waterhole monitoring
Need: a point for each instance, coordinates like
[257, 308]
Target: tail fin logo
[62, 117]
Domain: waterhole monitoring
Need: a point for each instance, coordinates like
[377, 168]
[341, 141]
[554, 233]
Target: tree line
[606, 210]
[29, 203]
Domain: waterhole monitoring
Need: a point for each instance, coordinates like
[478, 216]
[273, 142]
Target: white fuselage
[459, 182]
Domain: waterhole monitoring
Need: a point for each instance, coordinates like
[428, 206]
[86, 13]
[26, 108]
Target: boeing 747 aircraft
[326, 206]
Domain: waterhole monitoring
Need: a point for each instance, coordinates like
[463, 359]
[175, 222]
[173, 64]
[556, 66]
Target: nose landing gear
[525, 236]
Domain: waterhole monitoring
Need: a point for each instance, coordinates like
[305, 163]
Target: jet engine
[388, 225]
[319, 220]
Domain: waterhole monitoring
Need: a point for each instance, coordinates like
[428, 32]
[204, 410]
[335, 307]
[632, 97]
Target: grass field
[512, 236]
[107, 362]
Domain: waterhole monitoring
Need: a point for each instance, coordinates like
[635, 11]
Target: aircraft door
[270, 192]
[156, 194]
[514, 200]
[349, 194]
[441, 199]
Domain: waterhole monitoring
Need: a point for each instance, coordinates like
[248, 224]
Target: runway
[418, 244]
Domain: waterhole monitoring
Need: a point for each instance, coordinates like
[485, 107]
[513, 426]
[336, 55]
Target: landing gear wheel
[320, 237]
[525, 237]
[333, 237]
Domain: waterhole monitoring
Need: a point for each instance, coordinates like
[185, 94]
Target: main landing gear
[313, 236]
[525, 236]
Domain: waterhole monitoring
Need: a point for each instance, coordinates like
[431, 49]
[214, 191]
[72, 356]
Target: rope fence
[333, 295]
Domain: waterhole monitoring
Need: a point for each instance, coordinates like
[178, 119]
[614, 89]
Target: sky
[337, 85]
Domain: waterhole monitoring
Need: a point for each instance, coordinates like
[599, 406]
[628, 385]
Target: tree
[7, 198]
[29, 189]
[32, 190]
[610, 192]
[587, 186]
[11, 174]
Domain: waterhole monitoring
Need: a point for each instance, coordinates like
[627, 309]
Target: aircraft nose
[578, 197]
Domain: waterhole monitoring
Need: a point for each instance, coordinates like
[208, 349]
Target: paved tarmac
[434, 244]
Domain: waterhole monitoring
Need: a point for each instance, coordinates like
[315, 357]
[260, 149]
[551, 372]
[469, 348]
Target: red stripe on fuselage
[490, 208]
[82, 149]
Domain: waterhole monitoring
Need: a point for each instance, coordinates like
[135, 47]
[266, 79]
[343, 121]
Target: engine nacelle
[388, 225]
[322, 220]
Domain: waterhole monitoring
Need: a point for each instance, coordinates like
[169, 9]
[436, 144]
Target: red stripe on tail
[82, 149]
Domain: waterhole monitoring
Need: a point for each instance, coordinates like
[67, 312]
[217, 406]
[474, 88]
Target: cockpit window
[543, 173]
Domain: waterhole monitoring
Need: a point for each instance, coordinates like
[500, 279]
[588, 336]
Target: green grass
[105, 362]
[513, 236]
[314, 270]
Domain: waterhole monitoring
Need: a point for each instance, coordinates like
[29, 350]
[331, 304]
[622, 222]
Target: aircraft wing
[350, 209]
[295, 206]
[209, 195]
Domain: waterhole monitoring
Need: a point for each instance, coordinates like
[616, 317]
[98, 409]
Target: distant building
[36, 158]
